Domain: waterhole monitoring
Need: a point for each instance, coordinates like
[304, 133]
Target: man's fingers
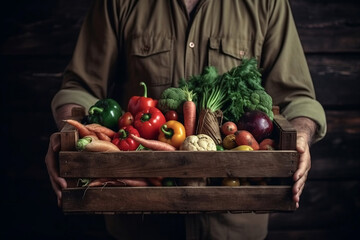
[55, 141]
[301, 144]
[299, 185]
[51, 161]
[304, 165]
[297, 193]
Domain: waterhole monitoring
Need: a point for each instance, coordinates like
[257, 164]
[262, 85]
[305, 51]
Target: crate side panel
[285, 133]
[179, 199]
[180, 164]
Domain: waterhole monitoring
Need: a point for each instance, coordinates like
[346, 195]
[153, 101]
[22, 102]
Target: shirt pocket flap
[214, 43]
[234, 47]
[147, 46]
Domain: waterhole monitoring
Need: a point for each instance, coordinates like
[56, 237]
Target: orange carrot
[101, 182]
[189, 113]
[103, 136]
[131, 182]
[83, 131]
[153, 144]
[95, 127]
[90, 144]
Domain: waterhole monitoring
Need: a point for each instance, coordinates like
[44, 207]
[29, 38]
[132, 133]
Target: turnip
[257, 123]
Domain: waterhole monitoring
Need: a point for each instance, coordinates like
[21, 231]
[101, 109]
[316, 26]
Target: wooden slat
[336, 79]
[336, 157]
[181, 199]
[179, 164]
[285, 133]
[69, 137]
[345, 122]
[328, 26]
[54, 32]
[323, 204]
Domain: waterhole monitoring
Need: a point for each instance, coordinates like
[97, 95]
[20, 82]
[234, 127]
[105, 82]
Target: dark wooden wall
[37, 39]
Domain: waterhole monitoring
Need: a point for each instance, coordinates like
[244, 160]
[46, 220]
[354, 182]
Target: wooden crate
[277, 164]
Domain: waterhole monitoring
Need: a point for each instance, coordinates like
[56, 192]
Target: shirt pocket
[226, 53]
[149, 60]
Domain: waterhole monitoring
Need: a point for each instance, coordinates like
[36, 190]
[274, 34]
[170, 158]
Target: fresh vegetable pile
[207, 112]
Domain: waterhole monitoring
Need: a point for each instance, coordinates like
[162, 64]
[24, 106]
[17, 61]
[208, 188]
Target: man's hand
[305, 128]
[51, 160]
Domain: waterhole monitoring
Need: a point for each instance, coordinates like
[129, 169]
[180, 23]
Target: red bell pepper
[139, 103]
[123, 140]
[148, 122]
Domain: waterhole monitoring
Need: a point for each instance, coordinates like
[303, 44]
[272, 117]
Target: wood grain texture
[328, 26]
[178, 199]
[178, 164]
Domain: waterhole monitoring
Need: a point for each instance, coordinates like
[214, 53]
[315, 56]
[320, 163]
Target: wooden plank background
[37, 40]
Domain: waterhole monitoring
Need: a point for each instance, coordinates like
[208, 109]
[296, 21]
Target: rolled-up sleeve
[94, 61]
[286, 73]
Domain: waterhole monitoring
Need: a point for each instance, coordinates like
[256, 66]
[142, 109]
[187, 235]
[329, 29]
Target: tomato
[228, 128]
[171, 115]
[125, 120]
[231, 181]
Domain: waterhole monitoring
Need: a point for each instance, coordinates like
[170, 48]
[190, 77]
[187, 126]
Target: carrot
[90, 144]
[101, 182]
[83, 131]
[131, 182]
[153, 144]
[189, 113]
[95, 127]
[103, 136]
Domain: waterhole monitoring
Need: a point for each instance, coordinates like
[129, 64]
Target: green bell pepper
[105, 112]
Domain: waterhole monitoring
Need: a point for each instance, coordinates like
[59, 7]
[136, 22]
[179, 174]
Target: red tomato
[125, 120]
[171, 115]
[228, 128]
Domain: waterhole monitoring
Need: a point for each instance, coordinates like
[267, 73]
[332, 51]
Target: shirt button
[191, 44]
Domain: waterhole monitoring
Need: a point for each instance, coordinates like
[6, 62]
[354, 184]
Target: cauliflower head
[200, 142]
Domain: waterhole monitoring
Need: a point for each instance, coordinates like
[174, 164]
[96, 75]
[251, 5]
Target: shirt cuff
[310, 108]
[71, 96]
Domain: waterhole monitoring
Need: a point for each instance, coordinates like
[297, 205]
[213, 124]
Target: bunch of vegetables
[188, 117]
[227, 97]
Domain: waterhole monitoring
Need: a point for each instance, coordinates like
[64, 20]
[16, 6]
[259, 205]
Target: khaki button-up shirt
[122, 43]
